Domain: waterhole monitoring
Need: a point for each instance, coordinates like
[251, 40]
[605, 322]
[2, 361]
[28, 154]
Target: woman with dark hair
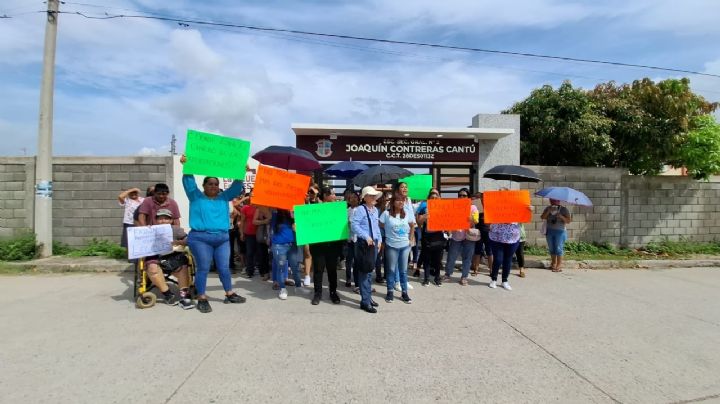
[462, 243]
[284, 249]
[401, 189]
[381, 205]
[398, 237]
[433, 243]
[325, 256]
[209, 239]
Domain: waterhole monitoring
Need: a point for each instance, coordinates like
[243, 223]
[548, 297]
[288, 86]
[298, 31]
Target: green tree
[700, 151]
[650, 121]
[563, 127]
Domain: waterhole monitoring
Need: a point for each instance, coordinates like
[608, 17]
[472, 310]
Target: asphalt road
[629, 336]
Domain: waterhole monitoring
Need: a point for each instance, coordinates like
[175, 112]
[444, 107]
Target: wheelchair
[143, 289]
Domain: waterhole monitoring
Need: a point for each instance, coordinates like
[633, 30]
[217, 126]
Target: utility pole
[43, 161]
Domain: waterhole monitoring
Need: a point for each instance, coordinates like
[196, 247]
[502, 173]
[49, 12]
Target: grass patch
[98, 248]
[580, 250]
[21, 248]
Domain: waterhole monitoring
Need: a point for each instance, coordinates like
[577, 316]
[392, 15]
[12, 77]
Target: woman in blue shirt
[208, 239]
[284, 249]
[398, 236]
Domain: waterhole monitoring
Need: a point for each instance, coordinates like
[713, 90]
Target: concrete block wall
[599, 223]
[85, 202]
[675, 208]
[17, 193]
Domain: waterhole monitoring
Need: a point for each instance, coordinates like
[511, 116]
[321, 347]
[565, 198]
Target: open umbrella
[346, 169]
[512, 173]
[287, 157]
[565, 194]
[380, 175]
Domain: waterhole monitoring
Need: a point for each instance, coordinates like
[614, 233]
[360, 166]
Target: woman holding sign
[433, 243]
[462, 242]
[325, 255]
[209, 239]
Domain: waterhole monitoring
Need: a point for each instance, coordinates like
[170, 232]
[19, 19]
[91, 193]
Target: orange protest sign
[507, 206]
[448, 214]
[278, 188]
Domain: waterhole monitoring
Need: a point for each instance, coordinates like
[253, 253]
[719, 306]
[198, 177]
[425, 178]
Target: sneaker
[283, 294]
[203, 306]
[316, 299]
[389, 297]
[171, 299]
[186, 304]
[406, 298]
[397, 287]
[437, 282]
[348, 284]
[234, 298]
[425, 282]
[307, 280]
[492, 284]
[334, 298]
[506, 285]
[410, 287]
[369, 309]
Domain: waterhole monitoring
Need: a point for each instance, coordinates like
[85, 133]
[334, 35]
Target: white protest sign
[144, 241]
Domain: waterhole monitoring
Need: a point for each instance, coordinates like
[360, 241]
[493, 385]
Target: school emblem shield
[324, 148]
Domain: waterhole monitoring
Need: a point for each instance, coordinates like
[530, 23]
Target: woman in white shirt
[398, 237]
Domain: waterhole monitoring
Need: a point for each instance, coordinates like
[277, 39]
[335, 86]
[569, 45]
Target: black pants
[325, 256]
[234, 238]
[520, 254]
[349, 262]
[432, 262]
[263, 258]
[251, 247]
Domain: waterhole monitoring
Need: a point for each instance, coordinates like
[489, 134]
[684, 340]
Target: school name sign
[397, 149]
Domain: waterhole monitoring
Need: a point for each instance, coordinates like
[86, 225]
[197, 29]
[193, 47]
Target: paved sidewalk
[642, 336]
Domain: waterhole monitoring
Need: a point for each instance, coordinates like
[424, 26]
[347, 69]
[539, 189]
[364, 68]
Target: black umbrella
[512, 173]
[287, 157]
[346, 169]
[380, 175]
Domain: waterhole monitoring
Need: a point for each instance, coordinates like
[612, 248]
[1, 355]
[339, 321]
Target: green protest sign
[319, 222]
[418, 186]
[215, 155]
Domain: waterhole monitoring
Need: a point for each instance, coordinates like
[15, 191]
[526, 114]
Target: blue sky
[124, 86]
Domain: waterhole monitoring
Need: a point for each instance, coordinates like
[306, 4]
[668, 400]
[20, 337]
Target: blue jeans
[284, 256]
[396, 262]
[206, 247]
[416, 247]
[503, 253]
[465, 249]
[251, 248]
[556, 240]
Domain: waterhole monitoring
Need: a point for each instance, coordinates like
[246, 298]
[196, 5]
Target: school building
[455, 156]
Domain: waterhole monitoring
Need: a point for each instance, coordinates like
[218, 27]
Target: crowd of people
[388, 237]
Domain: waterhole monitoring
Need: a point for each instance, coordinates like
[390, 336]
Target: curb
[75, 264]
[625, 264]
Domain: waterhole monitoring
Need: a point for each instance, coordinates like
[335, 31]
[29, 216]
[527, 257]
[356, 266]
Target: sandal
[522, 274]
[557, 270]
[474, 272]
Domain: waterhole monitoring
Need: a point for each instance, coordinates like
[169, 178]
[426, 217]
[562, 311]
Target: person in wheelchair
[175, 264]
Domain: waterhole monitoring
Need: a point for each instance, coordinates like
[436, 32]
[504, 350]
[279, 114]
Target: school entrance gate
[456, 157]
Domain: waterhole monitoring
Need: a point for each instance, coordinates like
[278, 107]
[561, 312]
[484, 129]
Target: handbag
[364, 253]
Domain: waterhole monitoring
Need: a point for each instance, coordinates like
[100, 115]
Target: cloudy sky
[124, 86]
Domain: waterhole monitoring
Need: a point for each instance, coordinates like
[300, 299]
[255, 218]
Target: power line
[390, 41]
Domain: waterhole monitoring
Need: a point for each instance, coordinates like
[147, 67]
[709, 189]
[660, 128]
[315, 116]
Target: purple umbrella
[287, 157]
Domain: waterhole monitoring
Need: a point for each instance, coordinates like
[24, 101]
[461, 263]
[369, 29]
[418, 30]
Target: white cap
[369, 190]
